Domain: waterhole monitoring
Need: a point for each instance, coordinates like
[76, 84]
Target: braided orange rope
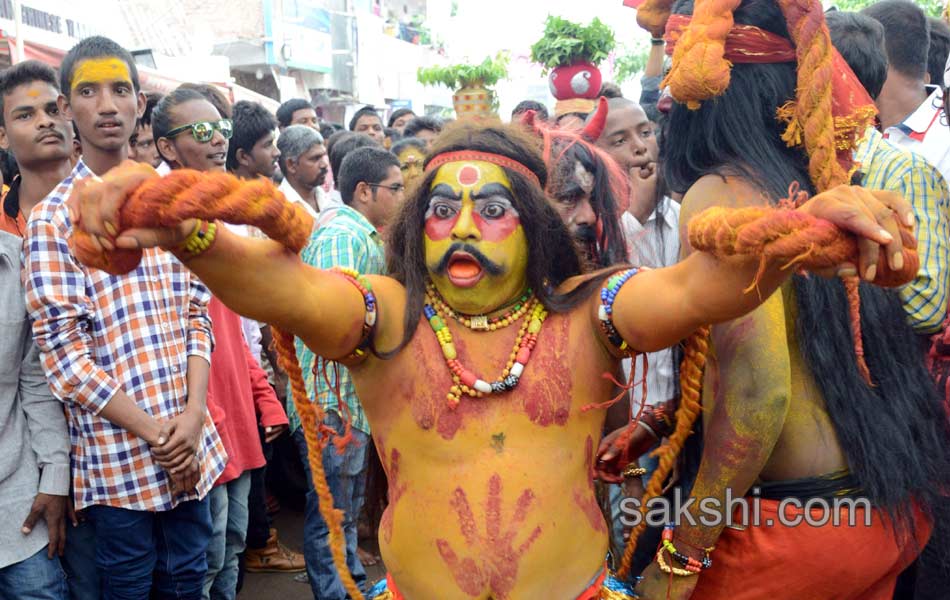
[691, 380]
[653, 15]
[813, 117]
[186, 194]
[700, 70]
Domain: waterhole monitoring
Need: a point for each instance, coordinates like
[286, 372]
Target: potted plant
[571, 52]
[472, 83]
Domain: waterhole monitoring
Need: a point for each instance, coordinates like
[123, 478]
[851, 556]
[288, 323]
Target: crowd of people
[143, 403]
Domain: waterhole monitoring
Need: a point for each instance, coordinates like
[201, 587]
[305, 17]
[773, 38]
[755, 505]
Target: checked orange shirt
[99, 333]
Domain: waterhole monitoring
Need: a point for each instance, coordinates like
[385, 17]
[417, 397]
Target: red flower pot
[579, 80]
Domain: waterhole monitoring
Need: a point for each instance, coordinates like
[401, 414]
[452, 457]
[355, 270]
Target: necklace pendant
[479, 322]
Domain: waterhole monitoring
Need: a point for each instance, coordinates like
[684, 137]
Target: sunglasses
[394, 188]
[203, 131]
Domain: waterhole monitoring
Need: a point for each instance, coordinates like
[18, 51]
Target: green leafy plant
[487, 73]
[565, 42]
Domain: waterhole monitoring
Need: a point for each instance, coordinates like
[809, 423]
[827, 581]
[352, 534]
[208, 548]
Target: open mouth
[464, 270]
[218, 158]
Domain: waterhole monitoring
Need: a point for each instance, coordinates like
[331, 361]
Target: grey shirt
[34, 443]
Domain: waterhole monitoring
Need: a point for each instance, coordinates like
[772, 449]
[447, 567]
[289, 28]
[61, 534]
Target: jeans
[228, 530]
[346, 476]
[79, 561]
[133, 547]
[34, 578]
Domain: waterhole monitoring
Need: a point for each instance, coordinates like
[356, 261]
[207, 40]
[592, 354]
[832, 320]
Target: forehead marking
[468, 175]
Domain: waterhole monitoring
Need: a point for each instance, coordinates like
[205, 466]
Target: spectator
[411, 153]
[304, 163]
[200, 144]
[34, 448]
[540, 111]
[253, 152]
[424, 128]
[129, 356]
[372, 189]
[367, 120]
[399, 118]
[214, 95]
[142, 144]
[939, 50]
[341, 146]
[297, 111]
[609, 89]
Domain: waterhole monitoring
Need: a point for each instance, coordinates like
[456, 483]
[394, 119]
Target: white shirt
[324, 201]
[926, 132]
[655, 243]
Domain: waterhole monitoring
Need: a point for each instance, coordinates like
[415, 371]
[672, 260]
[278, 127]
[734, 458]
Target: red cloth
[809, 563]
[239, 396]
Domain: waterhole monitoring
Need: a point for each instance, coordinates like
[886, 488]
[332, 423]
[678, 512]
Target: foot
[273, 558]
[366, 557]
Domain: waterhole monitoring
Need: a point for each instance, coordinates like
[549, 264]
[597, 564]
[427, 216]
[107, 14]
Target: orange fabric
[15, 226]
[744, 43]
[810, 563]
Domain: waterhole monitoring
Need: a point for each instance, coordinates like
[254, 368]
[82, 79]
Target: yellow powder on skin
[100, 70]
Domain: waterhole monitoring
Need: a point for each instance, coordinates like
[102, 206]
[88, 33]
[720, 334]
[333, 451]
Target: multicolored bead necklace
[465, 382]
[481, 322]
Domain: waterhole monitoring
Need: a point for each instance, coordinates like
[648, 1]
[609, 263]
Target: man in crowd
[305, 164]
[939, 50]
[129, 356]
[424, 128]
[34, 448]
[366, 120]
[860, 40]
[910, 110]
[540, 111]
[399, 118]
[142, 144]
[252, 151]
[372, 188]
[297, 111]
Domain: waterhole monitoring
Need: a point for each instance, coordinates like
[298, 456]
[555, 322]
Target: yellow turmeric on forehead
[100, 70]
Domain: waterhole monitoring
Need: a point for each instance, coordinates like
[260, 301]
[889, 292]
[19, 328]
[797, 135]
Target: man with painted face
[129, 356]
[411, 153]
[475, 360]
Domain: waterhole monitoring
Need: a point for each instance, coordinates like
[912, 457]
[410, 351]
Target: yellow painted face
[99, 71]
[475, 247]
[410, 162]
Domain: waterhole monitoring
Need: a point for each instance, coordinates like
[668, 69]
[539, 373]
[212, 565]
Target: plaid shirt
[346, 240]
[100, 333]
[888, 167]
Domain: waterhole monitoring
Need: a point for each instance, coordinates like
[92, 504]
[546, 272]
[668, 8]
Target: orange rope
[653, 15]
[186, 194]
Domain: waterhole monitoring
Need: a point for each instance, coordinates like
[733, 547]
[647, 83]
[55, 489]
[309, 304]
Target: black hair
[8, 165]
[366, 110]
[328, 129]
[525, 105]
[893, 434]
[23, 73]
[399, 112]
[393, 134]
[610, 89]
[409, 142]
[906, 35]
[162, 113]
[939, 50]
[96, 46]
[552, 253]
[369, 164]
[251, 122]
[860, 41]
[285, 113]
[345, 143]
[151, 101]
[213, 95]
[418, 124]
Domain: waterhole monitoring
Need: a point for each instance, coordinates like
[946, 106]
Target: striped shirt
[347, 240]
[888, 167]
[100, 333]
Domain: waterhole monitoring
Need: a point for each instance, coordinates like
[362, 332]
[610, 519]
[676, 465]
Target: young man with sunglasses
[191, 134]
[129, 357]
[372, 189]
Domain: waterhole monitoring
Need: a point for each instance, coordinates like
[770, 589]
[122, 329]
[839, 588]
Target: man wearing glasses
[129, 357]
[372, 189]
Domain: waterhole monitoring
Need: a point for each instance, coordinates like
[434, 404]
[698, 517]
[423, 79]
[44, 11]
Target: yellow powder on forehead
[33, 93]
[100, 70]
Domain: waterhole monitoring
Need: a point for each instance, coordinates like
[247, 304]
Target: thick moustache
[459, 251]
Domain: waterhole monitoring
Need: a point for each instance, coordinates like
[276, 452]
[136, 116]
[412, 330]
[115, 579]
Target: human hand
[187, 478]
[272, 432]
[51, 509]
[611, 460]
[882, 221]
[643, 181]
[178, 441]
[657, 585]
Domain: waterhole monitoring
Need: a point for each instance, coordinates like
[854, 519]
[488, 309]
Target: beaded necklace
[465, 382]
[481, 322]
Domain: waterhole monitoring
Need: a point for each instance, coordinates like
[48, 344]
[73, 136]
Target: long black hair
[894, 434]
[552, 254]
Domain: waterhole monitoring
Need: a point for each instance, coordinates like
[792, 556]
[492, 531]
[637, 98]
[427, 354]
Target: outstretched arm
[660, 307]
